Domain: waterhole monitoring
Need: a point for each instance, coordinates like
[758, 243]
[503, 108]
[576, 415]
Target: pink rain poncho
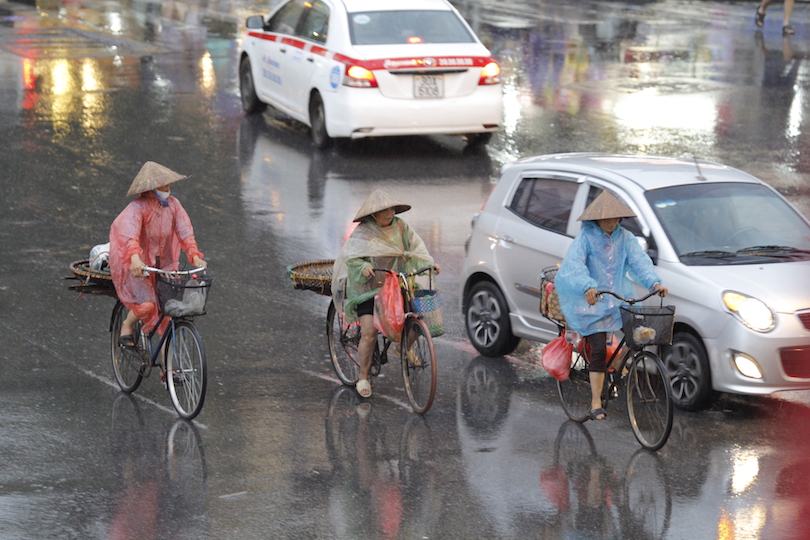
[156, 233]
[396, 247]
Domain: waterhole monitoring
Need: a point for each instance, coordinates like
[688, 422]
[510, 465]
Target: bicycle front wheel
[419, 369]
[186, 370]
[575, 391]
[343, 343]
[126, 361]
[649, 400]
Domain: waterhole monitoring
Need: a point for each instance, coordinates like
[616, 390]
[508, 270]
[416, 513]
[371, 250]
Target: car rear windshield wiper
[711, 253]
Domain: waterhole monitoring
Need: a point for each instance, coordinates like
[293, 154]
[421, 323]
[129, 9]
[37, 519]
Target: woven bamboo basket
[313, 276]
[95, 282]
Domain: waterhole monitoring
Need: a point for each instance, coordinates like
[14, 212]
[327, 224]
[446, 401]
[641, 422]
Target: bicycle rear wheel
[186, 370]
[649, 400]
[343, 343]
[575, 391]
[126, 361]
[419, 369]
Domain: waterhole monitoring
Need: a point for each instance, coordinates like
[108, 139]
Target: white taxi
[371, 68]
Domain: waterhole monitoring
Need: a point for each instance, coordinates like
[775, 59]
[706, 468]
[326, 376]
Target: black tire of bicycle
[119, 361]
[420, 408]
[667, 388]
[181, 328]
[337, 349]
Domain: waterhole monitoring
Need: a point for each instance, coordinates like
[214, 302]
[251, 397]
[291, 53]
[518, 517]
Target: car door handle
[507, 238]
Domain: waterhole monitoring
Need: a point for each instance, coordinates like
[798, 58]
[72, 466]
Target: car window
[631, 224]
[545, 202]
[392, 27]
[286, 19]
[710, 219]
[315, 24]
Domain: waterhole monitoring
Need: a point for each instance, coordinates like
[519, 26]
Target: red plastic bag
[389, 309]
[556, 358]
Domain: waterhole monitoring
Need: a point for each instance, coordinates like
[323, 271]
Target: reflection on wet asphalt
[93, 90]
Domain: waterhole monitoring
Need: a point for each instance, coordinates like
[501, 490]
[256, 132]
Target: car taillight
[359, 77]
[490, 74]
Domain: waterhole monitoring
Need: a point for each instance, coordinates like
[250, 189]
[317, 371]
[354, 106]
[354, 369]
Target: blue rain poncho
[598, 261]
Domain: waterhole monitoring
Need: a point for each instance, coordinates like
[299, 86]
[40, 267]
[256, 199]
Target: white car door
[532, 237]
[272, 61]
[301, 61]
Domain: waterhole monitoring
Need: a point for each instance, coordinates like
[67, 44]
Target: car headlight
[751, 312]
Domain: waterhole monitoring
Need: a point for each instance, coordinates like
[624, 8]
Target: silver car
[733, 252]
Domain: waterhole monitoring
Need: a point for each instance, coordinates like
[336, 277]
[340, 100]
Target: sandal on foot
[127, 340]
[788, 30]
[594, 414]
[363, 388]
[759, 17]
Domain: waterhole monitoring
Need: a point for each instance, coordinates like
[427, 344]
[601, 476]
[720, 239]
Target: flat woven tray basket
[313, 276]
[95, 282]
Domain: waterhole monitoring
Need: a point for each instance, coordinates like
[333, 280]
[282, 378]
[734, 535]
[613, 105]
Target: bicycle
[640, 374]
[417, 354]
[181, 297]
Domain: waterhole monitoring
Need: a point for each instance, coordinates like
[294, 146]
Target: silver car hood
[784, 287]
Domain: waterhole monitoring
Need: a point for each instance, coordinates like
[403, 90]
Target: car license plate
[428, 86]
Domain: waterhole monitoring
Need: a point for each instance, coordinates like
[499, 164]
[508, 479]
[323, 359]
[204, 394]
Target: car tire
[687, 365]
[250, 101]
[317, 122]
[478, 139]
[486, 317]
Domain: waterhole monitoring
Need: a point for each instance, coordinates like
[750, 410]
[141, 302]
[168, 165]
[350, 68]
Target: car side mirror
[646, 248]
[255, 22]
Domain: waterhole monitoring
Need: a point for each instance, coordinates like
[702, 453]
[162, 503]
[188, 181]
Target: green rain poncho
[396, 247]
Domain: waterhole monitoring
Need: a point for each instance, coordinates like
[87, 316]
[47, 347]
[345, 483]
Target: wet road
[280, 450]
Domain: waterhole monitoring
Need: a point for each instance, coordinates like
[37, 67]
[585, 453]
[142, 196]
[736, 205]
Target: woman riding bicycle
[380, 240]
[150, 231]
[602, 254]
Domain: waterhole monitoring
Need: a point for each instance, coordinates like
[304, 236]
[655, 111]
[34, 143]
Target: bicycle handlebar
[408, 274]
[630, 301]
[147, 269]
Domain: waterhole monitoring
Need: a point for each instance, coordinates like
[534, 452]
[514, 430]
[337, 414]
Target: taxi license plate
[428, 86]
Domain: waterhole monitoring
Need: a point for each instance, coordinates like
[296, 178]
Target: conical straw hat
[606, 206]
[380, 200]
[152, 176]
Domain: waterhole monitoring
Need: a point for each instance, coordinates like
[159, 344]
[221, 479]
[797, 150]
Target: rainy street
[91, 90]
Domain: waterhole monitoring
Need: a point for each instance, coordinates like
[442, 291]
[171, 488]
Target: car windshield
[730, 223]
[395, 27]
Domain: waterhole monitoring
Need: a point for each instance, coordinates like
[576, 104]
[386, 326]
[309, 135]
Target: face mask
[162, 196]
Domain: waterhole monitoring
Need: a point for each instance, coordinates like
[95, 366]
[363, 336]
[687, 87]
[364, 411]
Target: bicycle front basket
[647, 325]
[183, 296]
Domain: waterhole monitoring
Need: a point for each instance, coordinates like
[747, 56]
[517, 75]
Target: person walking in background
[759, 19]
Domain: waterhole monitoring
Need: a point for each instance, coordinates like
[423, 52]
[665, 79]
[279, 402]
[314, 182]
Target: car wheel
[317, 121]
[250, 101]
[687, 365]
[478, 139]
[487, 320]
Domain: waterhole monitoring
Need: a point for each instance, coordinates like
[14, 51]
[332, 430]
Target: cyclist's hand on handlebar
[591, 296]
[198, 262]
[136, 266]
[437, 269]
[368, 271]
[662, 291]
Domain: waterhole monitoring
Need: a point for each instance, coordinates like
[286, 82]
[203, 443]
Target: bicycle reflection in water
[591, 496]
[163, 474]
[383, 475]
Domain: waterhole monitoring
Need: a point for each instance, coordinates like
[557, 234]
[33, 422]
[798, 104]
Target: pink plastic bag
[389, 309]
[556, 358]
